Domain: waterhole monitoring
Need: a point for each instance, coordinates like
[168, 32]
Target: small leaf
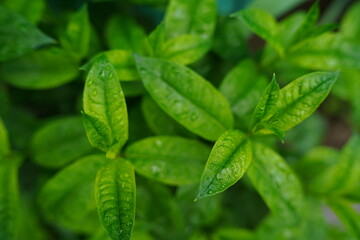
[185, 49]
[122, 61]
[4, 140]
[196, 17]
[263, 24]
[76, 38]
[277, 184]
[347, 214]
[9, 199]
[18, 36]
[186, 97]
[45, 68]
[300, 98]
[115, 198]
[59, 142]
[156, 40]
[227, 163]
[104, 100]
[98, 132]
[68, 198]
[171, 160]
[266, 106]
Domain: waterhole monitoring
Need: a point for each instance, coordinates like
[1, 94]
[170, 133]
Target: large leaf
[18, 36]
[104, 101]
[115, 198]
[300, 98]
[122, 61]
[227, 163]
[46, 68]
[59, 142]
[348, 215]
[276, 183]
[186, 97]
[76, 38]
[262, 24]
[68, 198]
[32, 12]
[4, 140]
[171, 160]
[9, 199]
[196, 17]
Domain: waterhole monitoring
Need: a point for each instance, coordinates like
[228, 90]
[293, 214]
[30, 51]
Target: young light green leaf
[159, 121]
[76, 38]
[300, 98]
[351, 21]
[18, 36]
[186, 97]
[308, 23]
[59, 142]
[115, 198]
[266, 106]
[262, 24]
[185, 49]
[122, 61]
[32, 12]
[347, 214]
[327, 52]
[196, 17]
[276, 183]
[227, 163]
[156, 40]
[104, 100]
[124, 33]
[243, 87]
[4, 140]
[68, 197]
[45, 68]
[9, 199]
[171, 160]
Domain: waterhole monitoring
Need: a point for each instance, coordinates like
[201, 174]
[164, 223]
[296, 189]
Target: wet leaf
[227, 163]
[169, 159]
[115, 198]
[186, 97]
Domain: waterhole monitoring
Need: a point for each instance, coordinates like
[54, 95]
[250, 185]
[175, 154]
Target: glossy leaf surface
[227, 163]
[115, 198]
[169, 159]
[186, 97]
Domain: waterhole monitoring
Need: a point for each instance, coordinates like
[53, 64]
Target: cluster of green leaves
[95, 96]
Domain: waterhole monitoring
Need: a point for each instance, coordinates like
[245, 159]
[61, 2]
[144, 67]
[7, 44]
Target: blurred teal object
[225, 7]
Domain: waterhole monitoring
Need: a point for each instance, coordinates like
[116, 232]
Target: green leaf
[4, 140]
[308, 24]
[122, 61]
[18, 36]
[227, 163]
[185, 49]
[115, 198]
[9, 199]
[233, 234]
[32, 12]
[124, 33]
[347, 214]
[186, 97]
[351, 21]
[195, 17]
[275, 7]
[59, 142]
[159, 121]
[76, 38]
[98, 132]
[242, 87]
[156, 40]
[104, 100]
[300, 98]
[266, 106]
[326, 52]
[171, 160]
[262, 24]
[45, 68]
[68, 198]
[277, 184]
